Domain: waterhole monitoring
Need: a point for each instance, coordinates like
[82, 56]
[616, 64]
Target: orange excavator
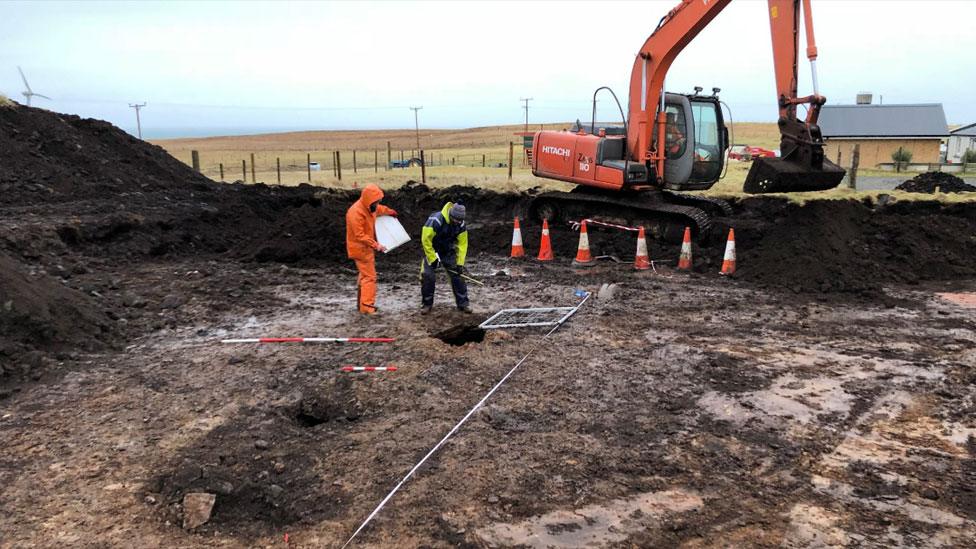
[676, 142]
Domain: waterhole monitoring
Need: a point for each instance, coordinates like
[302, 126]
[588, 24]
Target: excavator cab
[695, 141]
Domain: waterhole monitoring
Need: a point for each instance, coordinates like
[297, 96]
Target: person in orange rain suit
[361, 244]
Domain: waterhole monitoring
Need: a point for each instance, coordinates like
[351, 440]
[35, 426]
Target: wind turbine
[29, 93]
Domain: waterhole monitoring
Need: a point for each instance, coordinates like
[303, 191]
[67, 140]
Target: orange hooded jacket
[360, 223]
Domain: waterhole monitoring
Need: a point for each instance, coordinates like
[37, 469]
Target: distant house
[960, 139]
[881, 129]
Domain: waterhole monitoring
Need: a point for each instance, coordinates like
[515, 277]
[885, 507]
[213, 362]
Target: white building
[960, 140]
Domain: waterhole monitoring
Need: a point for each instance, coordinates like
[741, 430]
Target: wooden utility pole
[511, 155]
[254, 178]
[526, 101]
[423, 168]
[195, 156]
[354, 169]
[855, 160]
[416, 124]
[389, 157]
[339, 165]
[308, 166]
[278, 162]
[221, 171]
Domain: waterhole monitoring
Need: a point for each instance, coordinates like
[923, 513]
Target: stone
[261, 444]
[130, 299]
[172, 301]
[197, 507]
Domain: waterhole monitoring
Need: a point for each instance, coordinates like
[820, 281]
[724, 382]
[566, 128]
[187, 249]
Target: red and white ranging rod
[369, 368]
[312, 340]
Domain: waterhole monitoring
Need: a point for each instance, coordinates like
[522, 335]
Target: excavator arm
[802, 166]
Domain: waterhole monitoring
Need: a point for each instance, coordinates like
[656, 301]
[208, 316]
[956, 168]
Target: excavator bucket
[784, 175]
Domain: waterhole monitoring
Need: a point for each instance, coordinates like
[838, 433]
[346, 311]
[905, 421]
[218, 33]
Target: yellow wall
[878, 151]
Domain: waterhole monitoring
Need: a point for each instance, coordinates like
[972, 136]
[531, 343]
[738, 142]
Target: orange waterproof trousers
[367, 283]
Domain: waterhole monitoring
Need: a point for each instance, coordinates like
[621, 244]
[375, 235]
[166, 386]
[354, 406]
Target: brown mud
[824, 395]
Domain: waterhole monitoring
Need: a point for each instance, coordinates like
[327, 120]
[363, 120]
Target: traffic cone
[684, 261]
[642, 261]
[545, 247]
[583, 256]
[517, 249]
[728, 262]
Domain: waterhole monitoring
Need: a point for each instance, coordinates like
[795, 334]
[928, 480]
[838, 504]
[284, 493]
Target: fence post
[335, 173]
[278, 161]
[339, 165]
[376, 161]
[389, 157]
[221, 171]
[308, 166]
[244, 169]
[195, 155]
[855, 160]
[511, 153]
[423, 168]
[484, 160]
[254, 178]
[354, 169]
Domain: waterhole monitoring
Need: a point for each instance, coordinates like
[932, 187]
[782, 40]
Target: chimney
[864, 98]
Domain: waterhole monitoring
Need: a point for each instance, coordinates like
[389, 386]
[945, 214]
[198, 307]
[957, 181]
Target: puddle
[594, 525]
[789, 397]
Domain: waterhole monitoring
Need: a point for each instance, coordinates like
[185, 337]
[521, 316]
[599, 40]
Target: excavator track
[715, 207]
[663, 220]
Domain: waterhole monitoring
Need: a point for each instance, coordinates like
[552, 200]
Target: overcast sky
[202, 67]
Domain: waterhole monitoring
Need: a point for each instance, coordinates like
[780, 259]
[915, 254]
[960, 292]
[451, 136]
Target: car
[746, 153]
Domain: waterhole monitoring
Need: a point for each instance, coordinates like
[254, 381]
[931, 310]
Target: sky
[240, 67]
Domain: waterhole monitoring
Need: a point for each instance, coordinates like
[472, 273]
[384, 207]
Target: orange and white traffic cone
[517, 249]
[728, 262]
[583, 256]
[684, 261]
[642, 261]
[545, 246]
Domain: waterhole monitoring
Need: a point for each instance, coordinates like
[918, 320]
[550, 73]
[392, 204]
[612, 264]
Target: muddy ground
[823, 396]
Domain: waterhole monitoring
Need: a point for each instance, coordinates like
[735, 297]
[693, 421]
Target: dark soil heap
[930, 182]
[848, 246]
[36, 312]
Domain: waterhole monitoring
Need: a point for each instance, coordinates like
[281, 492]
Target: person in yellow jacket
[445, 241]
[361, 244]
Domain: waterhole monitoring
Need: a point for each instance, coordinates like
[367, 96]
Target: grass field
[454, 157]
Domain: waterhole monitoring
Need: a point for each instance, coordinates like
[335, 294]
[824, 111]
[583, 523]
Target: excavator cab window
[674, 137]
[710, 139]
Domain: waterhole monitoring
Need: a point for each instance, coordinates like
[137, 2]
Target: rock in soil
[197, 507]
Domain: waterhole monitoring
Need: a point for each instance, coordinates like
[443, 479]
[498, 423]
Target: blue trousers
[428, 278]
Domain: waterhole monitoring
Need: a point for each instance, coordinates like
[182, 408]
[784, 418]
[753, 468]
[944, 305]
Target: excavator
[672, 142]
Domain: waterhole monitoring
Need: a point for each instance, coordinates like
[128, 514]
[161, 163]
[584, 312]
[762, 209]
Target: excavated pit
[461, 334]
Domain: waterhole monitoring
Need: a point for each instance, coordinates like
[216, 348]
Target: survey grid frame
[527, 318]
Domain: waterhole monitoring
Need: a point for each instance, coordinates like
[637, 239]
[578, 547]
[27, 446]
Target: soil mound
[930, 182]
[47, 156]
[847, 246]
[39, 314]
